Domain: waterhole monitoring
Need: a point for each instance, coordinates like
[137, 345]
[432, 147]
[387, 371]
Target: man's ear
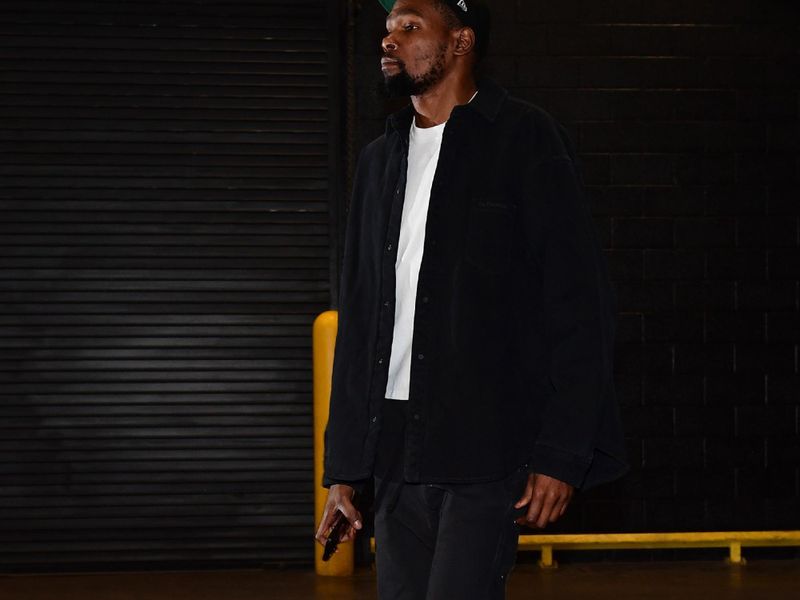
[465, 41]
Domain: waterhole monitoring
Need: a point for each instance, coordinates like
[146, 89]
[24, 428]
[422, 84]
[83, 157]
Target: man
[472, 374]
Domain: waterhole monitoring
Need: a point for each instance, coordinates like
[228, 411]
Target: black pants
[440, 541]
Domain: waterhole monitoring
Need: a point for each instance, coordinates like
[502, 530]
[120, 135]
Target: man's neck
[435, 105]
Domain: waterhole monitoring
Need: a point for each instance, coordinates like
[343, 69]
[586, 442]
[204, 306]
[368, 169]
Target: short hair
[481, 29]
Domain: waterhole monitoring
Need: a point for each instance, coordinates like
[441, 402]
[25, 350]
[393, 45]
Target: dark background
[173, 178]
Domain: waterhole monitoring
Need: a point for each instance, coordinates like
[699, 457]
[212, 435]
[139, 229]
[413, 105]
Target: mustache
[399, 62]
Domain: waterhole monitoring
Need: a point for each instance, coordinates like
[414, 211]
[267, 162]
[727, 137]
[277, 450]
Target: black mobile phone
[340, 525]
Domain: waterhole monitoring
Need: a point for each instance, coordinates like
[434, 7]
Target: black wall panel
[165, 242]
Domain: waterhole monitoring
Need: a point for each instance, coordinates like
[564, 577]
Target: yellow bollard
[323, 341]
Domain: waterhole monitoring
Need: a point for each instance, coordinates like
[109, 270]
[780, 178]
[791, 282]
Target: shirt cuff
[561, 465]
[358, 486]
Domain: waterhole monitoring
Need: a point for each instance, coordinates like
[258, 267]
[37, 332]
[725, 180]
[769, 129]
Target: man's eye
[409, 27]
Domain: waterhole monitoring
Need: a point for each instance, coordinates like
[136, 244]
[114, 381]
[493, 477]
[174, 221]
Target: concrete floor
[695, 580]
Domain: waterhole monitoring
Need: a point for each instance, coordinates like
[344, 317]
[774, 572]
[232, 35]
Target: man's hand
[548, 499]
[340, 498]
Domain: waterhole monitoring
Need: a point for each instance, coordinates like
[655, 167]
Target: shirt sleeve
[579, 307]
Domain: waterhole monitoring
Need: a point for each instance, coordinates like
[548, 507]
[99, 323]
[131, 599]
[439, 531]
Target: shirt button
[425, 299]
[389, 247]
[380, 361]
[387, 304]
[374, 419]
[416, 416]
[420, 356]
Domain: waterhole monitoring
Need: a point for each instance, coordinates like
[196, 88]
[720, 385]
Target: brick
[781, 513]
[704, 358]
[734, 452]
[664, 515]
[652, 482]
[784, 389]
[642, 40]
[736, 389]
[736, 137]
[518, 39]
[671, 137]
[620, 11]
[628, 358]
[548, 12]
[699, 421]
[583, 105]
[694, 169]
[625, 264]
[629, 328]
[612, 136]
[717, 483]
[596, 169]
[737, 514]
[783, 326]
[634, 296]
[617, 201]
[752, 168]
[730, 263]
[685, 326]
[783, 451]
[669, 451]
[643, 233]
[782, 137]
[705, 105]
[784, 264]
[767, 232]
[673, 201]
[736, 200]
[648, 421]
[772, 482]
[765, 104]
[691, 12]
[641, 72]
[610, 517]
[578, 40]
[544, 72]
[672, 390]
[641, 169]
[783, 202]
[766, 420]
[765, 358]
[628, 389]
[674, 264]
[705, 232]
[708, 295]
[768, 295]
[735, 326]
[643, 105]
[604, 228]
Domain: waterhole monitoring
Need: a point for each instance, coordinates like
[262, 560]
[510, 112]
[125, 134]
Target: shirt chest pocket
[489, 235]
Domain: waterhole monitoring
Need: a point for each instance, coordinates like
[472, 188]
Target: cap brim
[387, 4]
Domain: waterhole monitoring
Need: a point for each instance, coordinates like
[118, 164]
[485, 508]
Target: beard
[403, 84]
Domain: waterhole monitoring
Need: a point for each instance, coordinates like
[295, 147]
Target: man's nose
[388, 44]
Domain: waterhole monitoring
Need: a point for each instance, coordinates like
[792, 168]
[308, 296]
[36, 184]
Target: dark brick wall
[685, 115]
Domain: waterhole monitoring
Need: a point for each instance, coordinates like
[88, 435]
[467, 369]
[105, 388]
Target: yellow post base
[324, 341]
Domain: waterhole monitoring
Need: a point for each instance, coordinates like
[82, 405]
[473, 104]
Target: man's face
[415, 49]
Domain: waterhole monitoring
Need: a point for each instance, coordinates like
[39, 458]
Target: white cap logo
[462, 5]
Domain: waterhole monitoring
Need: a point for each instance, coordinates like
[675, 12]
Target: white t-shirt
[423, 156]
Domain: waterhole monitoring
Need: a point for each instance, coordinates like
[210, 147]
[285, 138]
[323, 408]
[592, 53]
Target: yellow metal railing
[733, 540]
[324, 339]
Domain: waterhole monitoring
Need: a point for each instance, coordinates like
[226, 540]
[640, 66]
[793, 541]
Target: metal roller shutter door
[165, 243]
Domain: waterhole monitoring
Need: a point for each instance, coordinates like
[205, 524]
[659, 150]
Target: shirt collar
[487, 103]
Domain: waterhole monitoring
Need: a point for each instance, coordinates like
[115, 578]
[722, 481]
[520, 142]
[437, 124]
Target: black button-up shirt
[515, 314]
